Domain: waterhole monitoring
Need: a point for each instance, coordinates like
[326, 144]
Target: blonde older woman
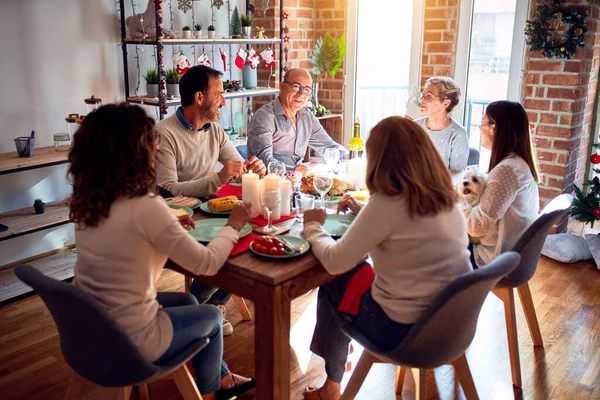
[439, 97]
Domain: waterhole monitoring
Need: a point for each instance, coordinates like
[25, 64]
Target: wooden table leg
[272, 313]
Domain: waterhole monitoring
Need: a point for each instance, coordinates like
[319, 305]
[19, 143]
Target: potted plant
[246, 20]
[236, 24]
[198, 31]
[39, 206]
[211, 32]
[151, 77]
[327, 58]
[187, 32]
[172, 78]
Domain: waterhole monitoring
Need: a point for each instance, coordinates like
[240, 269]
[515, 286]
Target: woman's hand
[240, 214]
[187, 222]
[318, 215]
[348, 203]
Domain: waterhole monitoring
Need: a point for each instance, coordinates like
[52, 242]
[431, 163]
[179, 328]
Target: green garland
[543, 32]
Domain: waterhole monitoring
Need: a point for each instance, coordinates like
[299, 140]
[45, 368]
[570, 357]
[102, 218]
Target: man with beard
[191, 145]
[191, 141]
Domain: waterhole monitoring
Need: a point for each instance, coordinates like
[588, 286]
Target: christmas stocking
[268, 57]
[203, 60]
[223, 58]
[240, 59]
[253, 59]
[182, 64]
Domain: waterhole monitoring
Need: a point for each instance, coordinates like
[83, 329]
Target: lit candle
[286, 197]
[250, 192]
[357, 171]
[271, 182]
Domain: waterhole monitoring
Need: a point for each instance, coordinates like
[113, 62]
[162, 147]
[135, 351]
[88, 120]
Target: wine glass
[332, 157]
[269, 199]
[322, 183]
[277, 168]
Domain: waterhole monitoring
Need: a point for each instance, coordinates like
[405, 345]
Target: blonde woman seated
[510, 202]
[439, 97]
[415, 233]
[124, 235]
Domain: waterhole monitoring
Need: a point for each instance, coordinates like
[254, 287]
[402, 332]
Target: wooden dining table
[271, 284]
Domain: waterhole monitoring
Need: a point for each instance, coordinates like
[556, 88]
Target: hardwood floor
[566, 297]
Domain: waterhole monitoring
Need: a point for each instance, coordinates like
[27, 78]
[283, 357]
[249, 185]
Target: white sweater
[508, 206]
[413, 258]
[120, 261]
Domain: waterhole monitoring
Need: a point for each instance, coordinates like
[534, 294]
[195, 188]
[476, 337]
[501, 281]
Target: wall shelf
[58, 266]
[42, 157]
[24, 221]
[153, 101]
[207, 41]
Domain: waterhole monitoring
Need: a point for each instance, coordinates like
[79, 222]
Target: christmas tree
[236, 24]
[586, 206]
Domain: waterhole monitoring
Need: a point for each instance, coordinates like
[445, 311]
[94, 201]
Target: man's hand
[187, 222]
[256, 165]
[231, 170]
[318, 214]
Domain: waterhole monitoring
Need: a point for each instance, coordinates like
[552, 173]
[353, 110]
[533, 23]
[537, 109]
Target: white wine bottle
[356, 143]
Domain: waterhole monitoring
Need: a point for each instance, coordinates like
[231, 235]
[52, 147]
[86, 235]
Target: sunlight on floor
[301, 334]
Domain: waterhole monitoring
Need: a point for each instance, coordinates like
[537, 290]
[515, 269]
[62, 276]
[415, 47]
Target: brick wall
[439, 38]
[559, 97]
[308, 20]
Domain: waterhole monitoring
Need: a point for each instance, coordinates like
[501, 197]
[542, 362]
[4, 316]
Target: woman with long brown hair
[124, 235]
[510, 202]
[413, 230]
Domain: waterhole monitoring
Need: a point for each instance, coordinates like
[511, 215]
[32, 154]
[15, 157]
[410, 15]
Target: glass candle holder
[62, 141]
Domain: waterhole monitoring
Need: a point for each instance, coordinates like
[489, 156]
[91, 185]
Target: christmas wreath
[556, 30]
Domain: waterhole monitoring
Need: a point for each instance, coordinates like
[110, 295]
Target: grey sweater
[451, 142]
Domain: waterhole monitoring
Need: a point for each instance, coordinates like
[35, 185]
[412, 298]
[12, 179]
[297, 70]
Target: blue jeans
[472, 257]
[190, 323]
[331, 343]
[207, 294]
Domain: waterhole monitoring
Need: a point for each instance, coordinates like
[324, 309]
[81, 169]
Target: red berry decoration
[596, 212]
[595, 159]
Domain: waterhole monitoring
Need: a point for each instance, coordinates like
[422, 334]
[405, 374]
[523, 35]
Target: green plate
[337, 224]
[204, 207]
[198, 202]
[297, 242]
[208, 229]
[187, 209]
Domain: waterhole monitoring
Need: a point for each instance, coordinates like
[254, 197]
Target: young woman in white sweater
[415, 233]
[124, 235]
[510, 202]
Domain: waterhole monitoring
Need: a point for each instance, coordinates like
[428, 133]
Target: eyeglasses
[298, 88]
[429, 96]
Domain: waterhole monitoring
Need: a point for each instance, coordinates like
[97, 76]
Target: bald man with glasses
[283, 129]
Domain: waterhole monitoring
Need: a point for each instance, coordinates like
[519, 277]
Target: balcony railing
[374, 103]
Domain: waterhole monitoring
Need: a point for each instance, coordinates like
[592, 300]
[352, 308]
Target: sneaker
[227, 327]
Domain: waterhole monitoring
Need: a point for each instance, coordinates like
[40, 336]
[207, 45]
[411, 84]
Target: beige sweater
[120, 261]
[413, 258]
[187, 158]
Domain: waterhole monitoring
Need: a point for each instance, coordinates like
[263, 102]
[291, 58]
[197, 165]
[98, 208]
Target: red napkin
[261, 221]
[229, 190]
[243, 244]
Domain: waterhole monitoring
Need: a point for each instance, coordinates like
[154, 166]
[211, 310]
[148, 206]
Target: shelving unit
[261, 91]
[24, 221]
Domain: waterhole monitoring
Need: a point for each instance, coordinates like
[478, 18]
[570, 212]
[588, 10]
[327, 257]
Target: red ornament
[595, 158]
[596, 212]
[285, 15]
[286, 39]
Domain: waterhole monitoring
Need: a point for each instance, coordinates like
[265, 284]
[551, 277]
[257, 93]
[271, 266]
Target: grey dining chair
[440, 336]
[473, 157]
[97, 349]
[529, 246]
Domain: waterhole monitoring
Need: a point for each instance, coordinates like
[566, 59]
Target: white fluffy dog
[472, 185]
